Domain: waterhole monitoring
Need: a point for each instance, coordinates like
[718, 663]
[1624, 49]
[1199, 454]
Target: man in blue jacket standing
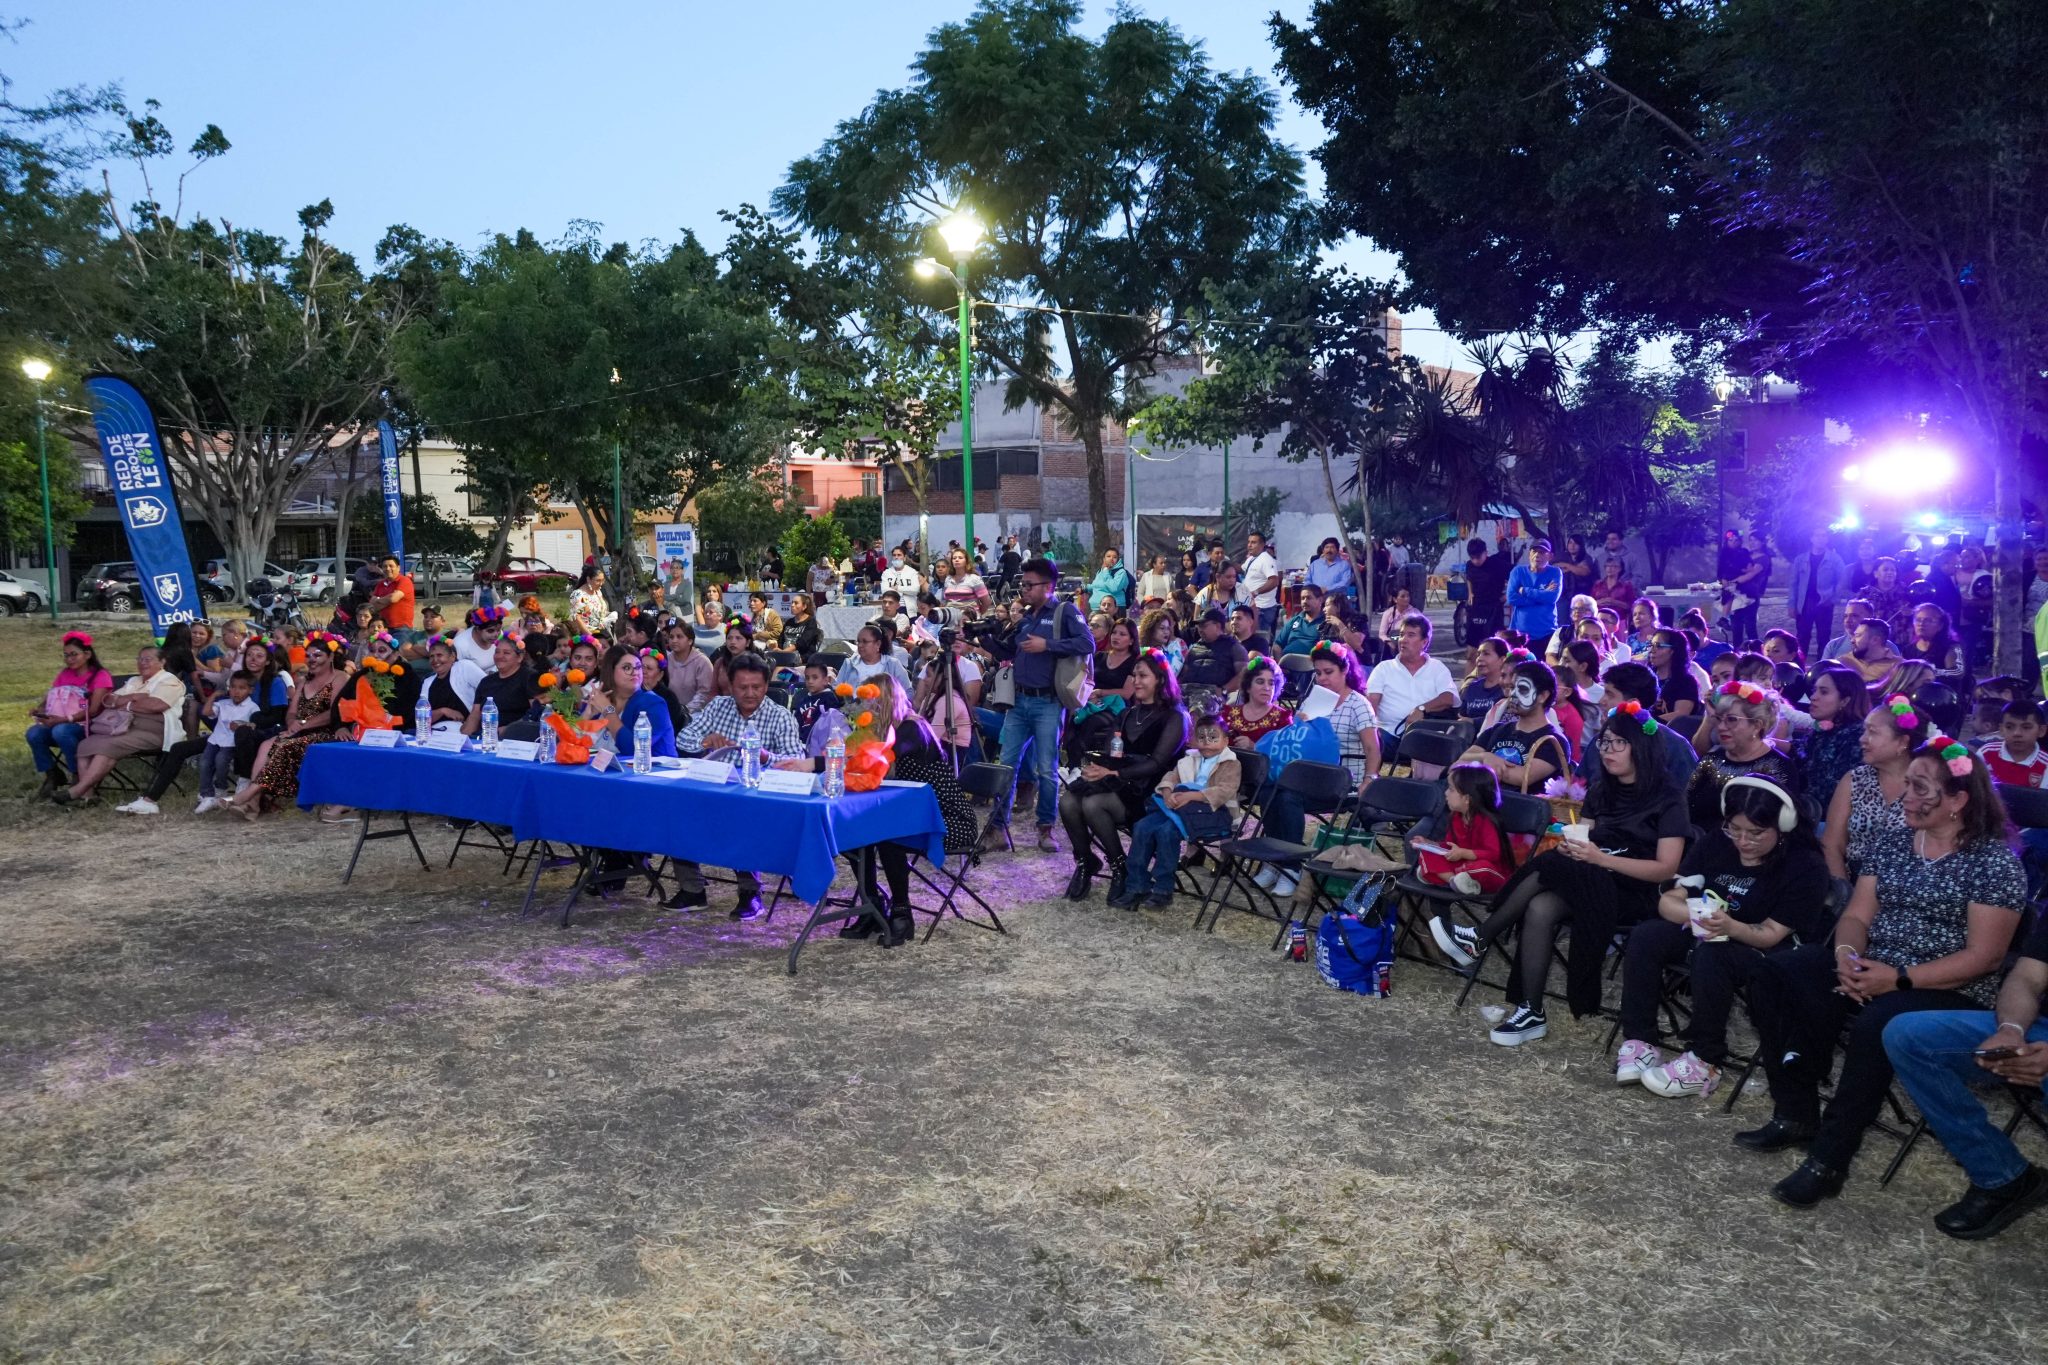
[1817, 580]
[1050, 631]
[1532, 594]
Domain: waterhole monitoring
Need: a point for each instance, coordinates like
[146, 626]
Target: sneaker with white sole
[1686, 1075]
[241, 785]
[1465, 882]
[1493, 1014]
[1460, 944]
[207, 805]
[1265, 876]
[1283, 885]
[1633, 1060]
[141, 805]
[1523, 1026]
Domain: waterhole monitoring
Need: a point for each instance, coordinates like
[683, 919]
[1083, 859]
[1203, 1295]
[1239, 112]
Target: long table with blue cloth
[799, 836]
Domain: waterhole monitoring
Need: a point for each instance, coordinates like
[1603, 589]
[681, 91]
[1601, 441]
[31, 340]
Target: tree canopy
[1117, 178]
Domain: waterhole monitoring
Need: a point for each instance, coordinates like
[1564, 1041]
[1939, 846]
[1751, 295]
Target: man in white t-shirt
[1261, 582]
[1410, 685]
[901, 579]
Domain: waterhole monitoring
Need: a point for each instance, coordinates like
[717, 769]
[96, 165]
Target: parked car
[433, 575]
[523, 574]
[113, 585]
[17, 595]
[217, 579]
[314, 580]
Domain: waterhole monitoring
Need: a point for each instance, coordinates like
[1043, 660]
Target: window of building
[867, 485]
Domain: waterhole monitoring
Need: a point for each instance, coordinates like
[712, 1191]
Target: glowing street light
[38, 371]
[962, 233]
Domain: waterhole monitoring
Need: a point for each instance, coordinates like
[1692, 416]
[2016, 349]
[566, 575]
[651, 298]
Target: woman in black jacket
[1114, 787]
[801, 634]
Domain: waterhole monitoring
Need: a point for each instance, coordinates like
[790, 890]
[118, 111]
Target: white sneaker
[1284, 884]
[1633, 1060]
[207, 805]
[241, 785]
[1493, 1014]
[1523, 1026]
[1687, 1075]
[141, 805]
[1459, 944]
[1466, 883]
[1265, 876]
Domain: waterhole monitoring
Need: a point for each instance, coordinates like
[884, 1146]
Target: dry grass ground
[247, 1114]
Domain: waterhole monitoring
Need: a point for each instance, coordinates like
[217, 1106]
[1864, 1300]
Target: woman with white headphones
[1756, 884]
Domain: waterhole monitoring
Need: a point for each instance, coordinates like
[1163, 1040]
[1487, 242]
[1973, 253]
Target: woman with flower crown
[1933, 912]
[314, 719]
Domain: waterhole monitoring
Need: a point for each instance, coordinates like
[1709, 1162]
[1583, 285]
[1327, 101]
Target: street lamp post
[962, 233]
[38, 371]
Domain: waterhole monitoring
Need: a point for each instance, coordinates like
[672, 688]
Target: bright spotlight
[1927, 519]
[1904, 470]
[1848, 521]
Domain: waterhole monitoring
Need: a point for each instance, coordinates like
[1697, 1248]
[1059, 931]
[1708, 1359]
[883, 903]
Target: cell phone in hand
[1997, 1054]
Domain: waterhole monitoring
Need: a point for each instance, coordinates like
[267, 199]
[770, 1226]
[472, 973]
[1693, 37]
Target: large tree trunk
[1098, 485]
[2008, 584]
[344, 504]
[1330, 487]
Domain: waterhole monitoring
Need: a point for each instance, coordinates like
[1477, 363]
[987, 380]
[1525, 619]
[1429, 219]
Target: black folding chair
[831, 659]
[1437, 748]
[1321, 787]
[977, 780]
[1687, 726]
[2026, 1108]
[1300, 672]
[1525, 816]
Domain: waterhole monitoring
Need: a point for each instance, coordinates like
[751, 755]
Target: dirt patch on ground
[249, 1114]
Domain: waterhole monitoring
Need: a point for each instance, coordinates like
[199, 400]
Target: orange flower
[864, 718]
[397, 670]
[549, 680]
[867, 692]
[843, 690]
[576, 677]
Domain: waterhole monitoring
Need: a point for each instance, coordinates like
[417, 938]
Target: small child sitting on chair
[1473, 857]
[1192, 801]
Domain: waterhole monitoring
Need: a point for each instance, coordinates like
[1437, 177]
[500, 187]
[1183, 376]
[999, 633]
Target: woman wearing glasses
[1754, 886]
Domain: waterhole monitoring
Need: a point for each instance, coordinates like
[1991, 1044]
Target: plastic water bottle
[835, 768]
[490, 725]
[643, 745]
[750, 756]
[1116, 744]
[546, 753]
[422, 720]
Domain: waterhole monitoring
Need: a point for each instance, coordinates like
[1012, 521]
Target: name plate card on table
[518, 750]
[447, 741]
[707, 770]
[788, 783]
[380, 739]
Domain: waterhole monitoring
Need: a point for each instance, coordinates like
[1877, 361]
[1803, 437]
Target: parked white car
[18, 596]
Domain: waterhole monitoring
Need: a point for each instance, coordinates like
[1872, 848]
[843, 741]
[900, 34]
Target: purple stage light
[1904, 469]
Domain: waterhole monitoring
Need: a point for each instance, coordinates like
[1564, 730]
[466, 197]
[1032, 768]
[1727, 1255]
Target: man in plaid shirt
[719, 726]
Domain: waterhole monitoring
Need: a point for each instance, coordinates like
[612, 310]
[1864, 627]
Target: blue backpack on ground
[1355, 945]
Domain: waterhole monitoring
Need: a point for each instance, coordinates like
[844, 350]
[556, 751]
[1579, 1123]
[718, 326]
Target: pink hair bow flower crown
[1954, 755]
[1902, 711]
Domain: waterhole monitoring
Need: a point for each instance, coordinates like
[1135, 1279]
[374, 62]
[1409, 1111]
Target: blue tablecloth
[752, 831]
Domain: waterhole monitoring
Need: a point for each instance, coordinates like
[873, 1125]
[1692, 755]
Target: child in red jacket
[1473, 857]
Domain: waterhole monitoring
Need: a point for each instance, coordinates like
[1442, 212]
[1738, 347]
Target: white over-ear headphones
[1788, 814]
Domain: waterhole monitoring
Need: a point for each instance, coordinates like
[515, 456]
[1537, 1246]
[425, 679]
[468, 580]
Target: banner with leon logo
[394, 499]
[141, 480]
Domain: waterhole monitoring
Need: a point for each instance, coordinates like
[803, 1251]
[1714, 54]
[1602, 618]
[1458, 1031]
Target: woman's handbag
[112, 721]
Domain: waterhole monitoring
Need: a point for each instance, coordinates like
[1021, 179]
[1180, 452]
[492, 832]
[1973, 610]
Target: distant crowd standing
[1810, 842]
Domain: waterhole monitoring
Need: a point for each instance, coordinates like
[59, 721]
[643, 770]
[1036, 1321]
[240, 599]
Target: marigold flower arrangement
[369, 708]
[572, 736]
[868, 748]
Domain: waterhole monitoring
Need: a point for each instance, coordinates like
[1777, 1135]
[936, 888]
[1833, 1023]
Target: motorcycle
[273, 606]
